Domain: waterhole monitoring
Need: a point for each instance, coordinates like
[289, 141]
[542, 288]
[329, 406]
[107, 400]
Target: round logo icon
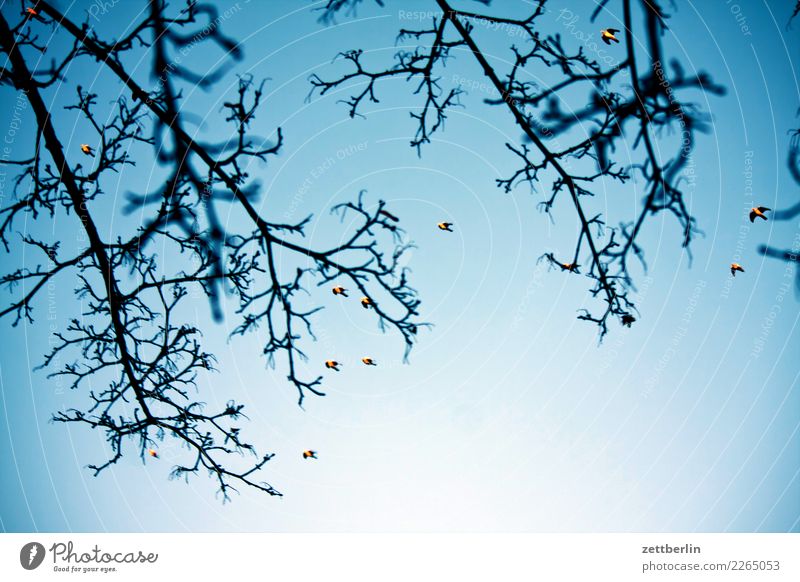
[31, 555]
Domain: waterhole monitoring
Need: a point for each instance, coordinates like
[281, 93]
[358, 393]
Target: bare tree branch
[129, 337]
[652, 107]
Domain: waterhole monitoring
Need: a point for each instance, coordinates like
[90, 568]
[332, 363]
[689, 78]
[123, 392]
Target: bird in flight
[340, 291]
[309, 454]
[445, 226]
[33, 13]
[332, 365]
[759, 212]
[85, 148]
[366, 302]
[369, 361]
[152, 453]
[608, 35]
[390, 216]
[736, 267]
[628, 319]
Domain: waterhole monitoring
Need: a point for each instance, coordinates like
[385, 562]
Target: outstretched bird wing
[761, 209]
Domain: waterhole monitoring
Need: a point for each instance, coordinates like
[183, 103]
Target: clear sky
[509, 417]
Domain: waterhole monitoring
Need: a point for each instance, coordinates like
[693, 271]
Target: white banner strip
[401, 557]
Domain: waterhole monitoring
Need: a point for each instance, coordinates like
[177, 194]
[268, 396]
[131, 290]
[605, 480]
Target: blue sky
[509, 417]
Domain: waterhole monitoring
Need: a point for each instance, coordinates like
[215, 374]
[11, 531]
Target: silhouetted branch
[649, 109]
[130, 339]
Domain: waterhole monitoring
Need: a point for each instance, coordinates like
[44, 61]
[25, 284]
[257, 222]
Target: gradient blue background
[510, 417]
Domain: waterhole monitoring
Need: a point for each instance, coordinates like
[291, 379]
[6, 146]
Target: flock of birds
[338, 290]
[608, 36]
[366, 303]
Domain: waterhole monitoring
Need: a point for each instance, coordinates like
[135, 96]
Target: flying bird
[759, 212]
[33, 13]
[628, 319]
[152, 453]
[366, 302]
[389, 215]
[332, 365]
[309, 454]
[85, 148]
[736, 267]
[340, 291]
[608, 35]
[369, 361]
[445, 226]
